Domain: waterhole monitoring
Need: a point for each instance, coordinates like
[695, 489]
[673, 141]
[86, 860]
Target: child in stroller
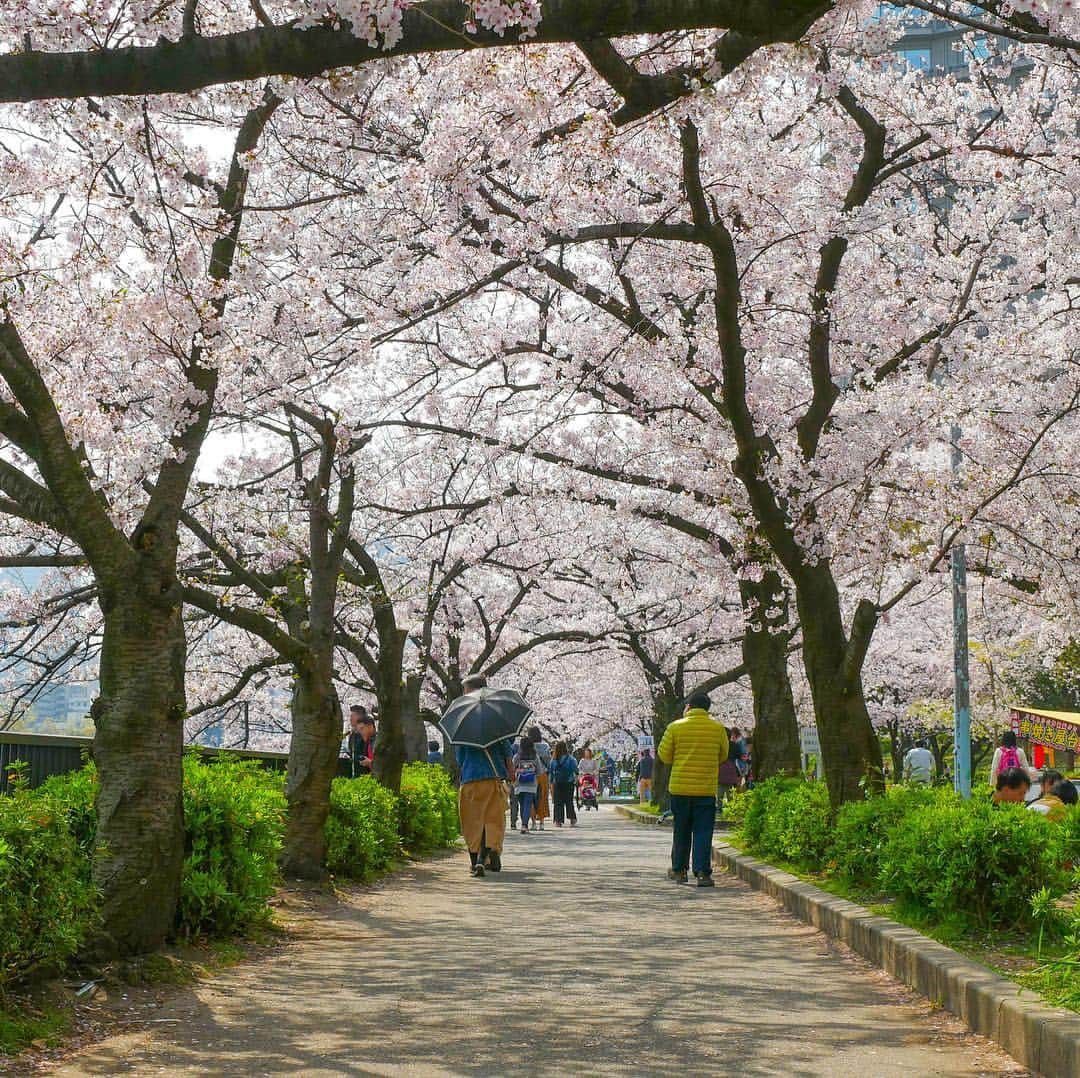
[588, 793]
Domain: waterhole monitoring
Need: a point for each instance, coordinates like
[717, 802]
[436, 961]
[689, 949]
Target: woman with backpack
[563, 772]
[526, 780]
[1006, 756]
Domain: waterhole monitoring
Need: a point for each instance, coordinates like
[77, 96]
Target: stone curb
[641, 817]
[1041, 1037]
[647, 817]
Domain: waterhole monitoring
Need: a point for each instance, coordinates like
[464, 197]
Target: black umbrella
[485, 716]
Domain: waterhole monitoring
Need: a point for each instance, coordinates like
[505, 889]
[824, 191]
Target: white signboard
[644, 741]
[809, 741]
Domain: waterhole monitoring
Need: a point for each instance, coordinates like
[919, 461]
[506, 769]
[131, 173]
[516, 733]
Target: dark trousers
[693, 821]
[564, 802]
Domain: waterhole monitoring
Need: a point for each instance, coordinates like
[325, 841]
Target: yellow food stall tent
[1049, 733]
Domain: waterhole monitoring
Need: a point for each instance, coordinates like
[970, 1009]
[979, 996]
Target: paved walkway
[579, 959]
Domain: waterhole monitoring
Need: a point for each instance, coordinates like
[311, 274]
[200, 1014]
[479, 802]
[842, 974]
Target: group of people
[525, 778]
[543, 776]
[520, 778]
[1011, 781]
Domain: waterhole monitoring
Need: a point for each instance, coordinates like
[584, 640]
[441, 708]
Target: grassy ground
[1047, 966]
[30, 1020]
[46, 1015]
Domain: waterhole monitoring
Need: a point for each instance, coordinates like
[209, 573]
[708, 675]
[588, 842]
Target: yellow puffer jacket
[695, 746]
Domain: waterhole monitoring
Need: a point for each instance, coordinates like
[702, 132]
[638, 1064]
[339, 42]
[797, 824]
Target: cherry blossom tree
[62, 50]
[745, 254]
[66, 333]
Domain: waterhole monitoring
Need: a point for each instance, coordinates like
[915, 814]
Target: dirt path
[577, 959]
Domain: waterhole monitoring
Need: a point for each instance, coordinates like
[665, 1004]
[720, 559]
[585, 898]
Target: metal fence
[49, 754]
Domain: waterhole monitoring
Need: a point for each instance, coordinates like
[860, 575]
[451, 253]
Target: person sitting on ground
[1047, 781]
[1007, 755]
[694, 747]
[526, 781]
[919, 764]
[1012, 787]
[1055, 804]
[434, 753]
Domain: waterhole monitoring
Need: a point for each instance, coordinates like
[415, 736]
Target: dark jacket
[361, 753]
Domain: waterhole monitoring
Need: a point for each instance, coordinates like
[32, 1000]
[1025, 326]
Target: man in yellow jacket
[695, 746]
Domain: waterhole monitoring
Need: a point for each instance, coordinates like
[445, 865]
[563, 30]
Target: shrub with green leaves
[798, 827]
[74, 794]
[973, 861]
[428, 808]
[234, 814]
[863, 827]
[47, 903]
[362, 836]
[736, 806]
[789, 819]
[1067, 839]
[761, 802]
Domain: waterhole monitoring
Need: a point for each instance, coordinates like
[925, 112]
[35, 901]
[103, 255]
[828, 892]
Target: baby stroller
[588, 794]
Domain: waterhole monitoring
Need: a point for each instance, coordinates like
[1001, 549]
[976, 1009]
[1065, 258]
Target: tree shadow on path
[579, 957]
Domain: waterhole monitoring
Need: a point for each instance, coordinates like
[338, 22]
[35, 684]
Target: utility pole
[961, 673]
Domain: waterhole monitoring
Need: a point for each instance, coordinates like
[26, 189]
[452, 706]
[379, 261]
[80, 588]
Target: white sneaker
[541, 825]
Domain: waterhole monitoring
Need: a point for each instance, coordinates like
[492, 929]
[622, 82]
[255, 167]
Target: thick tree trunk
[896, 750]
[665, 710]
[313, 758]
[764, 650]
[390, 753]
[412, 724]
[850, 749]
[138, 746]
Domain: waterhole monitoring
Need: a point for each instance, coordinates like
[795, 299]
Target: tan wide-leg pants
[482, 807]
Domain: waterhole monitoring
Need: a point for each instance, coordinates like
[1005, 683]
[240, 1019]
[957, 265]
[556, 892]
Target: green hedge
[47, 904]
[972, 861]
[968, 863]
[362, 832]
[862, 829]
[428, 807]
[234, 815]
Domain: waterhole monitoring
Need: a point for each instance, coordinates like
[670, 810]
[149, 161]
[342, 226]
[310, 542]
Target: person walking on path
[361, 741]
[541, 806]
[644, 776]
[588, 765]
[482, 796]
[526, 780]
[739, 753]
[434, 752]
[1007, 756]
[694, 747]
[919, 764]
[564, 770]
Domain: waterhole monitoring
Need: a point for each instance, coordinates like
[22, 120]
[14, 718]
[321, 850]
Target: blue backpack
[562, 770]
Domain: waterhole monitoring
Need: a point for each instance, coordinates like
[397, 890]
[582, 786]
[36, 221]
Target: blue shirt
[434, 757]
[475, 765]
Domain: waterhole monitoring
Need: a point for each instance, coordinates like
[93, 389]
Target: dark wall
[48, 755]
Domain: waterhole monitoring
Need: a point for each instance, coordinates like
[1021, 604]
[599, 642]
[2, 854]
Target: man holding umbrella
[481, 725]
